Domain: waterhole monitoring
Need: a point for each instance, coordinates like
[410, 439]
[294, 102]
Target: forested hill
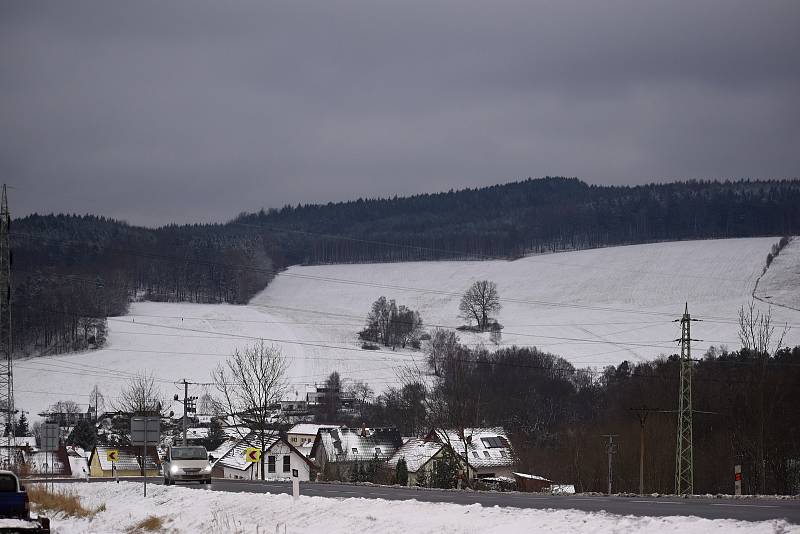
[534, 215]
[70, 272]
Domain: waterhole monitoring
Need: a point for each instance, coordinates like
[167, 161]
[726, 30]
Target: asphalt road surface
[760, 509]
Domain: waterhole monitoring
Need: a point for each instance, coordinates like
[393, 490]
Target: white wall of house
[276, 469]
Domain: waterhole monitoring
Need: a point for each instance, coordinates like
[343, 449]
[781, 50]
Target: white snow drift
[186, 510]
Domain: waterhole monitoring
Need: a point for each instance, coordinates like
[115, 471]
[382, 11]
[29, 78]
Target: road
[760, 509]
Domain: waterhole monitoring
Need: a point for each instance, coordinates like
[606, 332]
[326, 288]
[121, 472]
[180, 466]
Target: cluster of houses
[311, 451]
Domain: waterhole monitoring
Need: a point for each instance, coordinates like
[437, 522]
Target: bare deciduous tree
[442, 343]
[362, 394]
[479, 302]
[757, 335]
[249, 383]
[97, 400]
[142, 396]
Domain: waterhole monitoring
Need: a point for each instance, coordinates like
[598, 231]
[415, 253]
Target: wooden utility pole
[611, 449]
[6, 349]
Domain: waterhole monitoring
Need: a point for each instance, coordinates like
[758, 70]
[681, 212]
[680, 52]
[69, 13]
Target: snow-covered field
[594, 307]
[779, 283]
[185, 510]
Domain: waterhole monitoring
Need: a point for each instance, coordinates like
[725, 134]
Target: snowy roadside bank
[184, 510]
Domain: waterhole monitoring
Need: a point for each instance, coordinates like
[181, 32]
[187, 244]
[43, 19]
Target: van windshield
[189, 453]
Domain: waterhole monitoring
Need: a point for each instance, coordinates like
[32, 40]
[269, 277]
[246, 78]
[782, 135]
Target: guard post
[737, 479]
[295, 484]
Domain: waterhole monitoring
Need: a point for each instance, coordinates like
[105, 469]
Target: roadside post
[145, 431]
[737, 479]
[49, 446]
[112, 456]
[295, 484]
[252, 455]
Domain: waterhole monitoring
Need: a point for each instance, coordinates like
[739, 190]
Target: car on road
[15, 515]
[185, 464]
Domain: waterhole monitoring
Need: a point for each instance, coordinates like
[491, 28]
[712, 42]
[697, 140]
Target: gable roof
[485, 447]
[128, 458]
[235, 456]
[350, 445]
[417, 452]
[56, 462]
[308, 428]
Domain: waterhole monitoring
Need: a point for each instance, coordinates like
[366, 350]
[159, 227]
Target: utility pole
[6, 349]
[641, 413]
[189, 405]
[611, 449]
[185, 415]
[684, 459]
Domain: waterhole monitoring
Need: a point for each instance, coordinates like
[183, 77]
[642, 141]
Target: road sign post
[112, 456]
[49, 436]
[145, 431]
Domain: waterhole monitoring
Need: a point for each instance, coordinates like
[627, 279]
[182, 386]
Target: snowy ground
[594, 307]
[198, 511]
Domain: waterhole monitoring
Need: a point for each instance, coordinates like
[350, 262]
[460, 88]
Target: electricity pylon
[6, 356]
[684, 459]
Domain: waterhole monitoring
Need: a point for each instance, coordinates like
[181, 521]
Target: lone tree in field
[480, 300]
[249, 383]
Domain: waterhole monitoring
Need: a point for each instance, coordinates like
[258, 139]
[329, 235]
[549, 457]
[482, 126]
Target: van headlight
[207, 469]
[174, 469]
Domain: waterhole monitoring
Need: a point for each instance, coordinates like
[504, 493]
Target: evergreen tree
[84, 435]
[22, 425]
[445, 470]
[401, 476]
[422, 478]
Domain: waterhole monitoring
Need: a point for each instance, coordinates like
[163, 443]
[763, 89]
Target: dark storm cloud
[192, 111]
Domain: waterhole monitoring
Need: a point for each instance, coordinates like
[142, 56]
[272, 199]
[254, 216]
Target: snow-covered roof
[417, 453]
[485, 447]
[350, 445]
[20, 441]
[56, 462]
[235, 457]
[223, 449]
[309, 429]
[531, 477]
[197, 432]
[128, 458]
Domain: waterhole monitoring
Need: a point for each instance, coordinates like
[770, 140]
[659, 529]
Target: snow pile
[203, 511]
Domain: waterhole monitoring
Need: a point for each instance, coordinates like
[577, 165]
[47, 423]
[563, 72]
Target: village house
[303, 433]
[420, 455]
[128, 464]
[338, 450]
[280, 458]
[487, 451]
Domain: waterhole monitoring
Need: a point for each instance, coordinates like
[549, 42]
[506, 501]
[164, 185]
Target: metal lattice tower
[6, 356]
[684, 460]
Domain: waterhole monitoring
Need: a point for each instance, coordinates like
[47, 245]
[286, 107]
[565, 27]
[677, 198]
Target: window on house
[494, 442]
[504, 454]
[486, 453]
[355, 450]
[475, 454]
[287, 463]
[377, 450]
[270, 464]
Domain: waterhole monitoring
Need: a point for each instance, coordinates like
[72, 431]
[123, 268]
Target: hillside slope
[593, 307]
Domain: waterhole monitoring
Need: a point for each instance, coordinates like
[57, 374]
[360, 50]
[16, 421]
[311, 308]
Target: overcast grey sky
[154, 111]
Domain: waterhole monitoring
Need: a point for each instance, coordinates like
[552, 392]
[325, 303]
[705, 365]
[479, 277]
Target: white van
[185, 464]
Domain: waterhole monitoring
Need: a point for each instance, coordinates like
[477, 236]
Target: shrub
[150, 523]
[65, 502]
